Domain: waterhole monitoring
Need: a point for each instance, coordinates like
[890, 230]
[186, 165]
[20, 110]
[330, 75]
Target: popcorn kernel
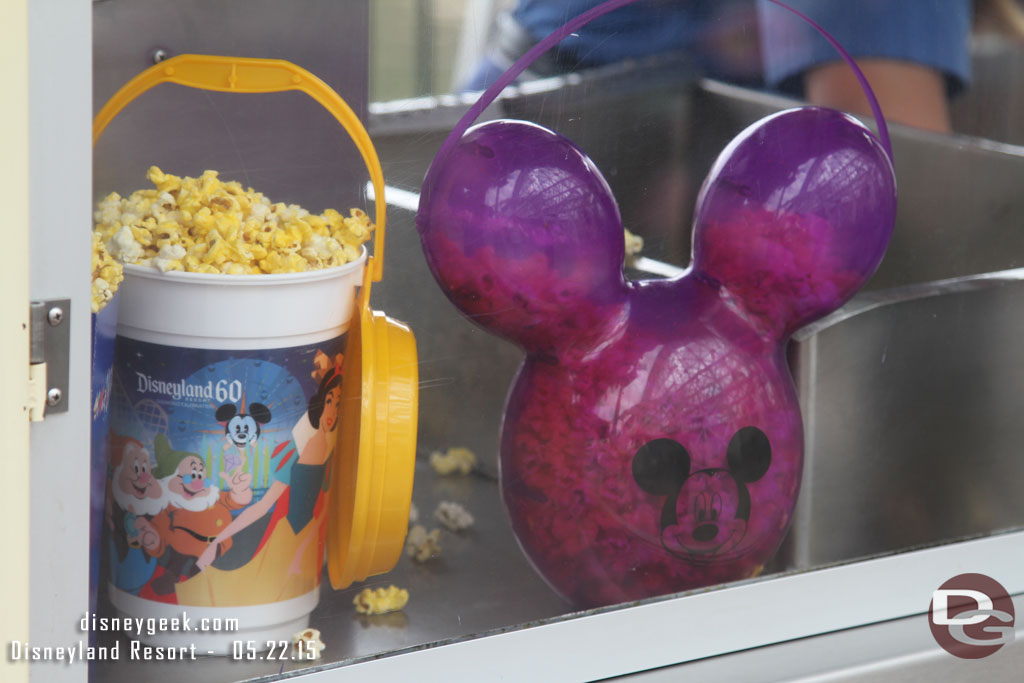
[380, 600]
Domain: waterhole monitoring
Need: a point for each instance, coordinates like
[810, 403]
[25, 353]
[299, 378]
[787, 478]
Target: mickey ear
[522, 233]
[225, 412]
[661, 466]
[259, 412]
[796, 215]
[749, 454]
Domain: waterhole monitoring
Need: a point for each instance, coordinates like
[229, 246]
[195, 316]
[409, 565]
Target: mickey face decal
[706, 512]
[243, 428]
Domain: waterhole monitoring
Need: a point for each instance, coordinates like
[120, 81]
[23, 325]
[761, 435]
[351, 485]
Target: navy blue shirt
[933, 33]
[723, 35]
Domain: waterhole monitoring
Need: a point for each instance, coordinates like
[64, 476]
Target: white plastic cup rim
[218, 311]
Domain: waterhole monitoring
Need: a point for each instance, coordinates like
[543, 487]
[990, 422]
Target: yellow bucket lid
[371, 481]
[373, 465]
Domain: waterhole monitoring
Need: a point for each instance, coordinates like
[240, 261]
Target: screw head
[54, 396]
[55, 316]
[159, 55]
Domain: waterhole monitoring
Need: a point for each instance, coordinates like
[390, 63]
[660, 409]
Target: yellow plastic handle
[250, 75]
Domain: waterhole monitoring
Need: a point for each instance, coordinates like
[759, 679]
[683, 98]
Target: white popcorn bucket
[220, 383]
[257, 422]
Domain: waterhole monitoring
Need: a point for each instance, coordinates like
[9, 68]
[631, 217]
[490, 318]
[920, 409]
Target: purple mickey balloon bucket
[652, 441]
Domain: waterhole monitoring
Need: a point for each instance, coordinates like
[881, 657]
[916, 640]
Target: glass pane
[908, 394]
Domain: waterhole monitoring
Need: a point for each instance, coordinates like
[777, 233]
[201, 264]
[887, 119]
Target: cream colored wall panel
[14, 197]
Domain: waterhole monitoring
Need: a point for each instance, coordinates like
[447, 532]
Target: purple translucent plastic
[652, 440]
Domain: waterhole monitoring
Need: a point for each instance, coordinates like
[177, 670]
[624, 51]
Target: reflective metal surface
[992, 106]
[911, 401]
[284, 145]
[898, 651]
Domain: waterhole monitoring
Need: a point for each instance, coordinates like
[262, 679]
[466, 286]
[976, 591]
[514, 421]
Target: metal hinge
[49, 350]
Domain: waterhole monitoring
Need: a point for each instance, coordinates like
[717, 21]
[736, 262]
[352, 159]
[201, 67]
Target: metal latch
[49, 351]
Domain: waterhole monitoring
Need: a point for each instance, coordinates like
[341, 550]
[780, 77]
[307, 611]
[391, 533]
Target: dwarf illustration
[133, 497]
[197, 510]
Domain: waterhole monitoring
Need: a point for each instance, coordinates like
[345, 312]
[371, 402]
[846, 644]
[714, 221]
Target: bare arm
[909, 93]
[252, 513]
[244, 519]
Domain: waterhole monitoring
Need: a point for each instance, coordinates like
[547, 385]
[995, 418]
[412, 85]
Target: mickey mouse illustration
[241, 428]
[706, 512]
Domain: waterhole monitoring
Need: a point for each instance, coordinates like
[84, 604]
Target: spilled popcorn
[461, 460]
[107, 274]
[206, 225]
[414, 513]
[453, 516]
[422, 545]
[380, 600]
[306, 644]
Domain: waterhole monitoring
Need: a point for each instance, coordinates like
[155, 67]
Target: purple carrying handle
[575, 24]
